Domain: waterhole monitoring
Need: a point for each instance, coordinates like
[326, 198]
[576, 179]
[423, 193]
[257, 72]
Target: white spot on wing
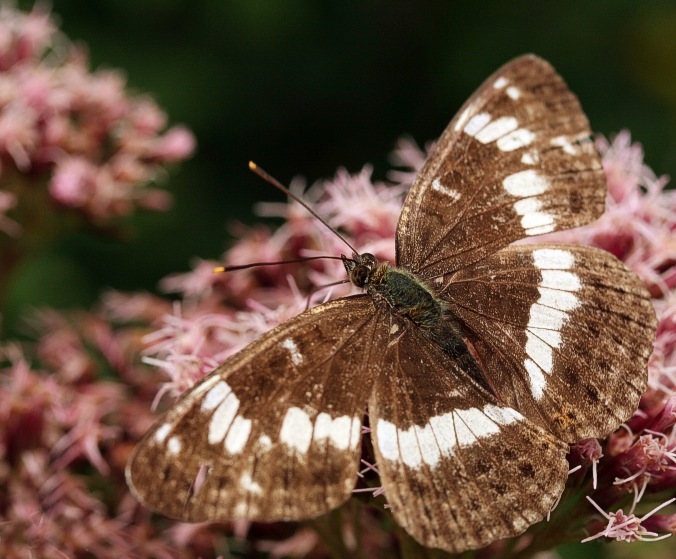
[521, 137]
[502, 416]
[238, 435]
[429, 448]
[477, 423]
[409, 448]
[530, 157]
[536, 379]
[394, 329]
[355, 434]
[215, 396]
[174, 445]
[222, 418]
[513, 92]
[162, 432]
[533, 219]
[542, 316]
[476, 123]
[296, 356]
[322, 426]
[247, 483]
[444, 432]
[462, 119]
[564, 143]
[539, 352]
[500, 82]
[525, 183]
[551, 337]
[339, 431]
[549, 314]
[538, 222]
[496, 129]
[296, 430]
[562, 300]
[452, 194]
[553, 259]
[441, 435]
[386, 435]
[264, 441]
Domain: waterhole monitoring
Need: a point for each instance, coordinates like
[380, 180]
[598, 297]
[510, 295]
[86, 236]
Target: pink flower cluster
[67, 429]
[77, 130]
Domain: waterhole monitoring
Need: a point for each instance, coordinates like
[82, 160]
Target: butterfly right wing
[274, 432]
[516, 161]
[460, 469]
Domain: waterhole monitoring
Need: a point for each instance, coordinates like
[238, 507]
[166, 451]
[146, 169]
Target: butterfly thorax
[401, 290]
[407, 295]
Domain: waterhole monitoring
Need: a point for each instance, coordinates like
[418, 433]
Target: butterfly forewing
[563, 333]
[273, 433]
[515, 162]
[459, 468]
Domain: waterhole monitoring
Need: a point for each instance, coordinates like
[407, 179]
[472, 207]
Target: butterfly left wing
[274, 433]
[563, 334]
[516, 161]
[459, 468]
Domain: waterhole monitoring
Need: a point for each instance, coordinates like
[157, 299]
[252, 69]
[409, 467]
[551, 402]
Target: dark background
[303, 87]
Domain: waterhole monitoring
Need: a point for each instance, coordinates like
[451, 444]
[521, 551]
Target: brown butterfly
[478, 361]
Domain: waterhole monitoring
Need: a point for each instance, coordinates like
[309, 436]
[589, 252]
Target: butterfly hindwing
[274, 433]
[459, 468]
[563, 334]
[516, 161]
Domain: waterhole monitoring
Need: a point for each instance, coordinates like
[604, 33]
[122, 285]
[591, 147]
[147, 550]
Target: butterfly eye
[360, 275]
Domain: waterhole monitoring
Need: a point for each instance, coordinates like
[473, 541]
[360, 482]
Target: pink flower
[587, 452]
[651, 455]
[23, 36]
[74, 181]
[79, 131]
[175, 145]
[627, 527]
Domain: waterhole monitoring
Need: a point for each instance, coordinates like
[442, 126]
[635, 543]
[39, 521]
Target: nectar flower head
[627, 527]
[77, 131]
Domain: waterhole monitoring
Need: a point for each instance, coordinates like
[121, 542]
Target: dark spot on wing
[527, 470]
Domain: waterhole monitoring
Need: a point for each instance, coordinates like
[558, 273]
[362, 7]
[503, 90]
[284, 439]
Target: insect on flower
[478, 360]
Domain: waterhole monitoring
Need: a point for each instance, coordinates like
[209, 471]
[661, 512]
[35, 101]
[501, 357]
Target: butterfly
[478, 360]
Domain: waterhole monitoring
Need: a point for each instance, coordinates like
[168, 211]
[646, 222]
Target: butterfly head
[360, 267]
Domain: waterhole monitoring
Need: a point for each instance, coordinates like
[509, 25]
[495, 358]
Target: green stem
[39, 220]
[329, 528]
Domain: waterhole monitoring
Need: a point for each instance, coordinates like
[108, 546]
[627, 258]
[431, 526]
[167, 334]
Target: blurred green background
[303, 87]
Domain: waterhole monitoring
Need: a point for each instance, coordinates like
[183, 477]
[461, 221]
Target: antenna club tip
[218, 270]
[252, 166]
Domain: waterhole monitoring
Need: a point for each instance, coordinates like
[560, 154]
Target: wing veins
[458, 220]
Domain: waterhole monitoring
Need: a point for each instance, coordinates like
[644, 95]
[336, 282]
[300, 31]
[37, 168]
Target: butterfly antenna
[274, 182]
[220, 269]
